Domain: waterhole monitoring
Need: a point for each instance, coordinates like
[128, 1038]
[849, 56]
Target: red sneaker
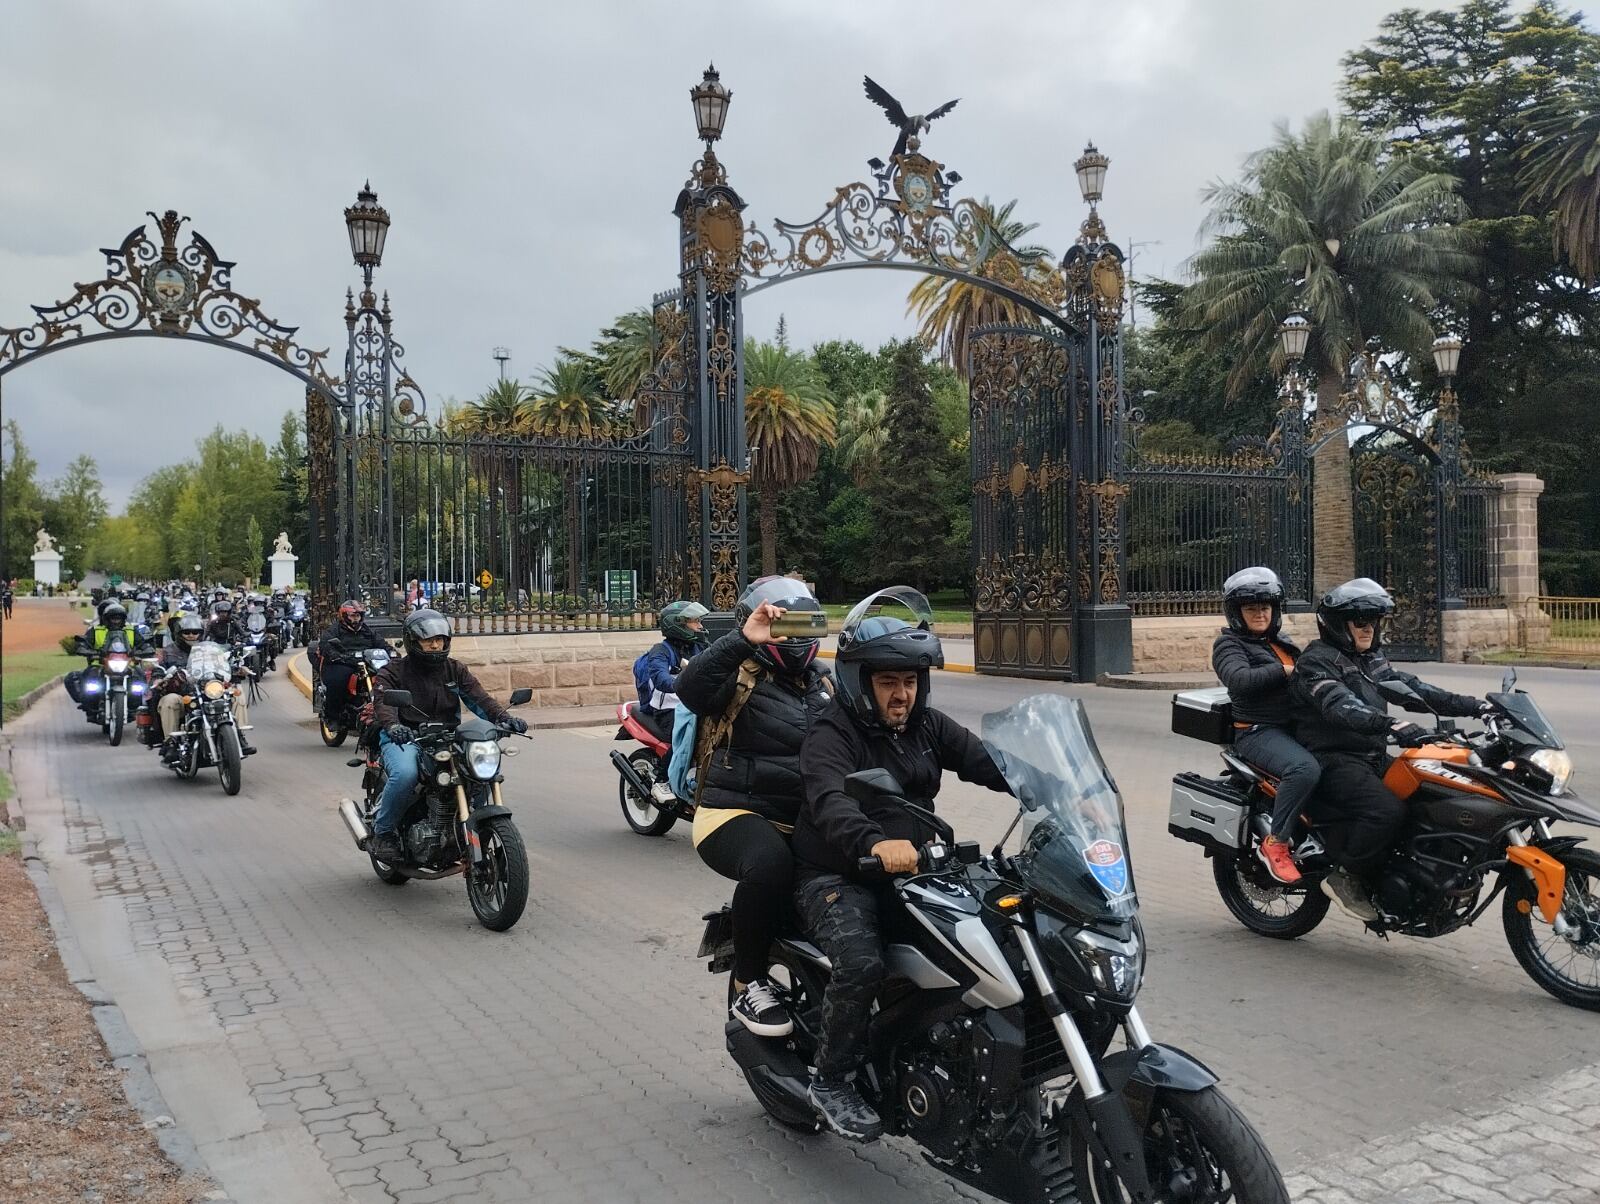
[1274, 854]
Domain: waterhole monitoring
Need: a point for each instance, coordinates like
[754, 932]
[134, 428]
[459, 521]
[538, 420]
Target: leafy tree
[1562, 174]
[1329, 221]
[624, 354]
[252, 549]
[788, 418]
[863, 431]
[74, 508]
[912, 529]
[22, 503]
[288, 458]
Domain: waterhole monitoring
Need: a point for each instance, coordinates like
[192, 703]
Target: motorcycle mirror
[397, 698]
[1398, 692]
[519, 697]
[1508, 681]
[870, 785]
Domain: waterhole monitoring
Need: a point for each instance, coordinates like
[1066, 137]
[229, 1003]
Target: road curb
[1153, 681]
[1474, 658]
[300, 680]
[127, 1054]
[33, 695]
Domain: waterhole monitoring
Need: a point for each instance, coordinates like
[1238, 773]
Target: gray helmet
[1360, 598]
[188, 623]
[870, 642]
[675, 618]
[1255, 584]
[424, 625]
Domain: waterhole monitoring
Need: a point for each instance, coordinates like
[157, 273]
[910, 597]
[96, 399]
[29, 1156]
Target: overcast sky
[530, 153]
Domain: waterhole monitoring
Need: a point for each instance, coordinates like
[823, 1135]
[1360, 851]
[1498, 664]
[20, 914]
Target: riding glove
[1410, 735]
[399, 733]
[517, 725]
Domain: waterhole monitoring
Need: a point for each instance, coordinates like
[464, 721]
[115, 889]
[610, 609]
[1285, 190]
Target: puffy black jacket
[1254, 676]
[431, 693]
[338, 643]
[834, 829]
[1337, 706]
[759, 768]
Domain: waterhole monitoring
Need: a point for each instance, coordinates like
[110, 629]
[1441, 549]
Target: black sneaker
[842, 1109]
[758, 1009]
[386, 847]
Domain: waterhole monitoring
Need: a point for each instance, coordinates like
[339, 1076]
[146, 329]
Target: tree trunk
[574, 534]
[1332, 518]
[769, 529]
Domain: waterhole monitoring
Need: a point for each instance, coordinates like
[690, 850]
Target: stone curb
[300, 680]
[33, 695]
[1475, 658]
[127, 1054]
[1152, 681]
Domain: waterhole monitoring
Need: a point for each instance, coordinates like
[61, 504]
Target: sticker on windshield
[1109, 867]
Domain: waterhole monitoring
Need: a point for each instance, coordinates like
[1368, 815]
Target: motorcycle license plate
[717, 941]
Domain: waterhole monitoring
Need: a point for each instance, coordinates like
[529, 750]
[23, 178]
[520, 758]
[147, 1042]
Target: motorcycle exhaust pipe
[351, 814]
[629, 774]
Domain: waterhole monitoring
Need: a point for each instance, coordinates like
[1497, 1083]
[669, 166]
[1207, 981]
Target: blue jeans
[402, 767]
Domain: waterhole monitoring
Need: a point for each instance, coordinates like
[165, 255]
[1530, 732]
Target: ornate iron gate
[1027, 391]
[1395, 499]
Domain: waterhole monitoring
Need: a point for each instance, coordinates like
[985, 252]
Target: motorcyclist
[111, 624]
[655, 674]
[438, 687]
[187, 630]
[750, 792]
[880, 719]
[223, 627]
[1340, 716]
[1254, 660]
[338, 650]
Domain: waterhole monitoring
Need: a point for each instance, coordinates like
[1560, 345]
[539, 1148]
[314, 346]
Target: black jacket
[338, 643]
[1254, 676]
[835, 830]
[759, 768]
[1337, 707]
[431, 693]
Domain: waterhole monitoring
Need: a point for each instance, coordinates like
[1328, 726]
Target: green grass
[24, 671]
[949, 606]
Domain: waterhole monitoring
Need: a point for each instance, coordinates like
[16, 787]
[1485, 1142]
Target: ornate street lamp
[1447, 355]
[1294, 332]
[1091, 168]
[710, 105]
[368, 225]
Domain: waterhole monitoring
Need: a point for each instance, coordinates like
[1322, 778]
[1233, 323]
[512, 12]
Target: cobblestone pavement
[380, 1042]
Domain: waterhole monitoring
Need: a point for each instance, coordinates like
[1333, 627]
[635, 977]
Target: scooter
[648, 802]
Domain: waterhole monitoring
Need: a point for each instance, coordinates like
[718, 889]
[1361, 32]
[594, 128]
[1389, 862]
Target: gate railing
[1561, 626]
[1478, 543]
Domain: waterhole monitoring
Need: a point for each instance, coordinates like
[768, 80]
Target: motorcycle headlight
[213, 689]
[483, 759]
[1117, 966]
[136, 687]
[117, 664]
[90, 685]
[1557, 763]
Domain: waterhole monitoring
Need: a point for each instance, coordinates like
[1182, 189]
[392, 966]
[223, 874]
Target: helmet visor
[1253, 585]
[427, 627]
[1363, 596]
[787, 592]
[867, 619]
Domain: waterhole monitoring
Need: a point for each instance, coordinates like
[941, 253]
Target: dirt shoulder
[67, 1132]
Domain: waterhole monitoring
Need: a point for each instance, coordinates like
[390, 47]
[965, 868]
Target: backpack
[693, 743]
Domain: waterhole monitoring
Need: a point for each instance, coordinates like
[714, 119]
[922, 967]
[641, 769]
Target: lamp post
[1447, 439]
[369, 403]
[1294, 337]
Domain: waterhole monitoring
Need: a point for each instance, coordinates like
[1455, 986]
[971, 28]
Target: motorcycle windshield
[256, 622]
[209, 660]
[1522, 710]
[1076, 857]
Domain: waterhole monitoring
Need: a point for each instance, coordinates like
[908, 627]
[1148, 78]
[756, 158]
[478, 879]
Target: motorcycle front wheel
[1567, 966]
[642, 815]
[497, 887]
[1263, 906]
[230, 759]
[114, 727]
[1198, 1148]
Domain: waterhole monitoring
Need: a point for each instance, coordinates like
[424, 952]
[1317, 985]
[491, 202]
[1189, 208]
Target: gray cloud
[530, 155]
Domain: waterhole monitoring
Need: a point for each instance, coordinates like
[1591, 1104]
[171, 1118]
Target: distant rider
[1340, 716]
[1254, 660]
[880, 719]
[438, 687]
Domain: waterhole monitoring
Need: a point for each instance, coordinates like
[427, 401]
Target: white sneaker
[758, 1009]
[661, 794]
[1347, 893]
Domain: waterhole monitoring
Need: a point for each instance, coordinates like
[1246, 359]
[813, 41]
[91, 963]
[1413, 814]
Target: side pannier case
[1204, 715]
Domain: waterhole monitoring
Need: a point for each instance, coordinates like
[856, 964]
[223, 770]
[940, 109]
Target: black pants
[1281, 755]
[336, 684]
[757, 856]
[1359, 814]
[844, 919]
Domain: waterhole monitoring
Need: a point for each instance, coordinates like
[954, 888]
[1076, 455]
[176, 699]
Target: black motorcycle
[1008, 979]
[208, 737]
[457, 822]
[299, 622]
[355, 708]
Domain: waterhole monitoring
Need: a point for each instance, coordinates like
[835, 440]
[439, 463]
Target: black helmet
[112, 614]
[871, 641]
[675, 618]
[188, 623]
[1252, 585]
[790, 656]
[425, 625]
[1362, 598]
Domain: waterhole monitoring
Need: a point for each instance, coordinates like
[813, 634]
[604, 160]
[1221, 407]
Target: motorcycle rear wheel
[386, 873]
[1198, 1147]
[1281, 912]
[642, 815]
[230, 759]
[498, 888]
[1566, 969]
[332, 736]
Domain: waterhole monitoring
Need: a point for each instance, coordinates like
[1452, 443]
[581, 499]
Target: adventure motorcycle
[457, 823]
[208, 736]
[355, 708]
[1007, 980]
[259, 645]
[300, 621]
[110, 690]
[1479, 805]
[648, 802]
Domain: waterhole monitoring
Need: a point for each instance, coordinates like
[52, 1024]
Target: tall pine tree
[913, 530]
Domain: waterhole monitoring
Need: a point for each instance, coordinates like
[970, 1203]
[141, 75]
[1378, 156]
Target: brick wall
[579, 669]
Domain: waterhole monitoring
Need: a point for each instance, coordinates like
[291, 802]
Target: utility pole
[501, 356]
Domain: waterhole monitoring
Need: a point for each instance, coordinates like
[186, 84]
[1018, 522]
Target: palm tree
[568, 403]
[863, 432]
[500, 410]
[624, 354]
[1562, 173]
[788, 418]
[1328, 223]
[950, 310]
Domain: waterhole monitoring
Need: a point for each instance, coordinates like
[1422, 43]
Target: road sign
[622, 590]
[485, 579]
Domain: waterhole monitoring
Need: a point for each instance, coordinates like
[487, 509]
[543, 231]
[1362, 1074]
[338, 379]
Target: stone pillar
[47, 567]
[283, 569]
[1517, 538]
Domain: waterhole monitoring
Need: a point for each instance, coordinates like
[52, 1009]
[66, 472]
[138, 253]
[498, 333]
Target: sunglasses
[1363, 623]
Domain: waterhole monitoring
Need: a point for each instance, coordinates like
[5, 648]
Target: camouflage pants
[842, 918]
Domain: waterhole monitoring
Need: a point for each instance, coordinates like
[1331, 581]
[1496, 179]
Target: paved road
[327, 1037]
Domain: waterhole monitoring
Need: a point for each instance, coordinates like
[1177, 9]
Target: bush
[69, 644]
